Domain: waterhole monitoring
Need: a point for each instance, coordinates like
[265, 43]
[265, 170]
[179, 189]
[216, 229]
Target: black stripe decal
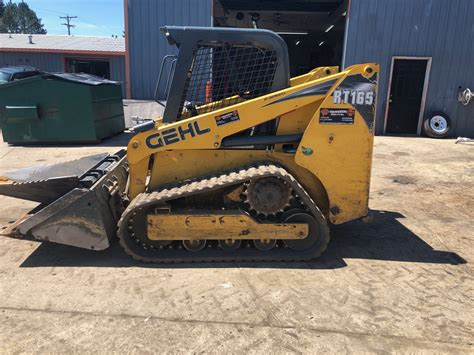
[358, 82]
[319, 89]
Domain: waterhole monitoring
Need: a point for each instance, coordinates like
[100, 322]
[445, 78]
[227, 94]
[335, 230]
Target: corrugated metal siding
[51, 62]
[443, 30]
[117, 71]
[148, 46]
[55, 62]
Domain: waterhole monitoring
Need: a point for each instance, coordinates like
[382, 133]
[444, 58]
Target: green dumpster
[60, 108]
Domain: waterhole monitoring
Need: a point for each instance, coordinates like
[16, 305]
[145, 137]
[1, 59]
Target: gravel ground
[400, 281]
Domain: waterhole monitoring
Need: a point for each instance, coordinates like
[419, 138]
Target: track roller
[230, 244]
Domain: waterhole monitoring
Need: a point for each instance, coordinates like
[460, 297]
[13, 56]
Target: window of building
[96, 67]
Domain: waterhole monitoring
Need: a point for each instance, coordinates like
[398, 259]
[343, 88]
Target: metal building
[101, 56]
[147, 46]
[424, 47]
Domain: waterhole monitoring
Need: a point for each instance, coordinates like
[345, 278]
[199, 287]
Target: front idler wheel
[318, 231]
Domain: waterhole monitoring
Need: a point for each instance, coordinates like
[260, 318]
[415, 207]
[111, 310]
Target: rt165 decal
[353, 97]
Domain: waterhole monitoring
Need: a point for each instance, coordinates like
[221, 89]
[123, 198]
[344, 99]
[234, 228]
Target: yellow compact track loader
[246, 164]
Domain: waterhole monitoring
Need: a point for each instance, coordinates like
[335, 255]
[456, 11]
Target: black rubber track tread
[204, 184]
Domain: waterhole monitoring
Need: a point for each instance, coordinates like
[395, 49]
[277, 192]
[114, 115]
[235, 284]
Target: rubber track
[191, 187]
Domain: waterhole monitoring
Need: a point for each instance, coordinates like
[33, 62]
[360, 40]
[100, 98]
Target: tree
[2, 10]
[9, 18]
[19, 19]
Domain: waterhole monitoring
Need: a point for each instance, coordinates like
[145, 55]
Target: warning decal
[227, 118]
[337, 116]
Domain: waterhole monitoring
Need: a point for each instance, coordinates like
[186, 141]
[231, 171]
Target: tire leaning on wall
[437, 125]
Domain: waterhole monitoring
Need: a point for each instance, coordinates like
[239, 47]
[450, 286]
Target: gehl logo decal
[353, 97]
[174, 135]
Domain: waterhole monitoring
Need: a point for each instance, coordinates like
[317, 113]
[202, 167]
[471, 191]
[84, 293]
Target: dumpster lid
[82, 78]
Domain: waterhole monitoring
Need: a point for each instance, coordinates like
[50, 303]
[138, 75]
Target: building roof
[62, 44]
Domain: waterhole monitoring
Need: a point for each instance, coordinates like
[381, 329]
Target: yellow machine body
[191, 226]
[246, 164]
[332, 161]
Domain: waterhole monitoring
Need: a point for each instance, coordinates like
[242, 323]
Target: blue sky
[95, 17]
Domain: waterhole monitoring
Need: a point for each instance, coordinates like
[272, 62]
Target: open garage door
[313, 29]
[97, 67]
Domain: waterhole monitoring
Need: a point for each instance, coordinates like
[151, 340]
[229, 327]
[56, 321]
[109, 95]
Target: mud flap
[86, 216]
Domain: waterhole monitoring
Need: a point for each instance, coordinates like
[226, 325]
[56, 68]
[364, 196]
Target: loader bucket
[80, 201]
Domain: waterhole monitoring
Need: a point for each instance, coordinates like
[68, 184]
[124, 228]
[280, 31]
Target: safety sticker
[227, 118]
[336, 116]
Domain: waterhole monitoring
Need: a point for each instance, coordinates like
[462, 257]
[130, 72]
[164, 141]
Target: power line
[68, 23]
[48, 10]
[106, 31]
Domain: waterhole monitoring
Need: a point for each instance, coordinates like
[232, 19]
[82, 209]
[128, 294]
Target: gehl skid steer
[246, 164]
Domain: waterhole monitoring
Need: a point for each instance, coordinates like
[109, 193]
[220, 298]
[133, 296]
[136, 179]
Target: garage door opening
[312, 29]
[95, 67]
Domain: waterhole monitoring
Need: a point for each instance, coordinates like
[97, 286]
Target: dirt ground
[400, 282]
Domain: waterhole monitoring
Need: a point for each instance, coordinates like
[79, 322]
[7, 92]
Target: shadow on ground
[384, 238]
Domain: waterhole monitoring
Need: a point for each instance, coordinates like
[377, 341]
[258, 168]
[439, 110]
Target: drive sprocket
[268, 196]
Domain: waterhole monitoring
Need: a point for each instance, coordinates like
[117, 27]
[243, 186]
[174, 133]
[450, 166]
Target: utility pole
[68, 23]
